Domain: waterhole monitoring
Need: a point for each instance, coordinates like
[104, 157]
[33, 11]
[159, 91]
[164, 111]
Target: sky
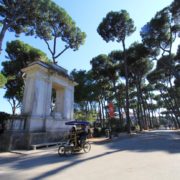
[88, 15]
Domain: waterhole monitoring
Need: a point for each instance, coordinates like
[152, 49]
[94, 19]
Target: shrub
[3, 119]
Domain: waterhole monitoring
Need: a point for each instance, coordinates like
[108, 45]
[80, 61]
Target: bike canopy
[77, 123]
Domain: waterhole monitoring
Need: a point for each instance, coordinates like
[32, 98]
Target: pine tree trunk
[138, 109]
[100, 115]
[170, 107]
[2, 34]
[176, 104]
[127, 88]
[118, 103]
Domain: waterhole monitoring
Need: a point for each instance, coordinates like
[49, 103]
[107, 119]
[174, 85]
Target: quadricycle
[77, 139]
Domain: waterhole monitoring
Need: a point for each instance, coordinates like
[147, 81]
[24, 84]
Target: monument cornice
[49, 68]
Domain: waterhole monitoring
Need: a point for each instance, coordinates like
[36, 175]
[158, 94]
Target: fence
[16, 123]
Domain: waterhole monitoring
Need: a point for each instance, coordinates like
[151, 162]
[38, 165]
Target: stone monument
[41, 79]
[48, 103]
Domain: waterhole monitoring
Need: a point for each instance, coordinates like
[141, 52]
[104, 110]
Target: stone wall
[21, 140]
[38, 138]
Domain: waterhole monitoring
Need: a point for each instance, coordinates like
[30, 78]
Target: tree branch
[48, 46]
[10, 103]
[67, 47]
[54, 48]
[163, 49]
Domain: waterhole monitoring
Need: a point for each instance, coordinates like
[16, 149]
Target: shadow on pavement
[145, 142]
[71, 164]
[148, 142]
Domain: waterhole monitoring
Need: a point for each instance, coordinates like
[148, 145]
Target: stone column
[39, 98]
[34, 100]
[48, 98]
[59, 107]
[72, 103]
[28, 95]
[68, 103]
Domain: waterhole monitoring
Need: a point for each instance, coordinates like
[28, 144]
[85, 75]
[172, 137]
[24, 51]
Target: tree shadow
[18, 156]
[25, 161]
[71, 164]
[6, 160]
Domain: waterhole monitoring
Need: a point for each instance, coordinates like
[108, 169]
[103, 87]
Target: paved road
[152, 155]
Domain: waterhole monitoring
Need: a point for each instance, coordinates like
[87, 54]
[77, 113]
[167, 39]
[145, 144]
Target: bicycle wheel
[61, 150]
[68, 151]
[86, 147]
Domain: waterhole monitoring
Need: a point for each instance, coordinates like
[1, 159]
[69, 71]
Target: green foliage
[21, 54]
[138, 61]
[104, 75]
[26, 11]
[116, 126]
[86, 94]
[91, 116]
[116, 57]
[106, 80]
[160, 34]
[105, 71]
[3, 80]
[18, 16]
[56, 23]
[99, 66]
[165, 65]
[117, 60]
[42, 18]
[177, 58]
[116, 26]
[3, 118]
[163, 70]
[153, 76]
[84, 87]
[175, 10]
[161, 31]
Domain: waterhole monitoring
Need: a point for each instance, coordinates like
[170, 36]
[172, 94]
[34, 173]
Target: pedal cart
[76, 139]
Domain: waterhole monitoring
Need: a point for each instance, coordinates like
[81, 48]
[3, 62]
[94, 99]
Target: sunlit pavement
[153, 155]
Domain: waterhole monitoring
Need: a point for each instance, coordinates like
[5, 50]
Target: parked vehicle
[77, 139]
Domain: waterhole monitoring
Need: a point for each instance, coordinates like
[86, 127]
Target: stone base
[38, 124]
[23, 140]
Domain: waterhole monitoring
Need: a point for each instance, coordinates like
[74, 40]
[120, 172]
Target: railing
[17, 123]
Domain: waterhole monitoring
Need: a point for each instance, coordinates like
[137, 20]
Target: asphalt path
[153, 155]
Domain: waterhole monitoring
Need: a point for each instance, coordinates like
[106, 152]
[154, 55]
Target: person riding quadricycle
[76, 139]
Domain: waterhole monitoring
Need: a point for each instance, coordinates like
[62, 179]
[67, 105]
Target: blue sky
[87, 15]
